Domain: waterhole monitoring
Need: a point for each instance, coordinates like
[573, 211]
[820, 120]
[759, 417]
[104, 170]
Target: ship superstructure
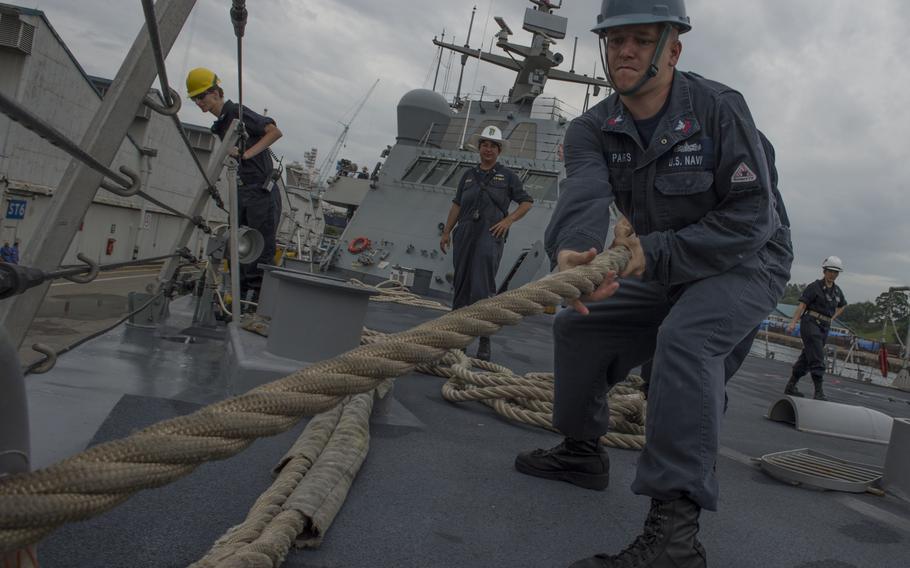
[402, 216]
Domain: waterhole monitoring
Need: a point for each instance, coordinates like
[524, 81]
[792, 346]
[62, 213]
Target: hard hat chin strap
[652, 71]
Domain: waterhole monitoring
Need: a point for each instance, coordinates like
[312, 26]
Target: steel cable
[166, 93]
[46, 364]
[18, 113]
[238, 18]
[151, 23]
[71, 269]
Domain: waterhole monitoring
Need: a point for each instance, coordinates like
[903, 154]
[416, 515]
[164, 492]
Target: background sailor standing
[820, 304]
[6, 253]
[481, 218]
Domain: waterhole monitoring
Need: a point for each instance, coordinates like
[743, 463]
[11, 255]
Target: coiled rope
[529, 398]
[33, 504]
[317, 473]
[395, 292]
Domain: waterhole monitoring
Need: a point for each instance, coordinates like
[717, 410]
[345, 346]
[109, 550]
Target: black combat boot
[668, 540]
[819, 392]
[791, 387]
[483, 349]
[581, 462]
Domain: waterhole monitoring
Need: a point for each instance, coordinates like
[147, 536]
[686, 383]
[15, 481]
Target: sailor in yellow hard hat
[199, 81]
[259, 201]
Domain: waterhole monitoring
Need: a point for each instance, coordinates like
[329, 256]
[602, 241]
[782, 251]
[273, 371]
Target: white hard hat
[833, 263]
[491, 133]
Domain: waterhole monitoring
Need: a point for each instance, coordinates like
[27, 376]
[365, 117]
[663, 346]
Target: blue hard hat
[615, 13]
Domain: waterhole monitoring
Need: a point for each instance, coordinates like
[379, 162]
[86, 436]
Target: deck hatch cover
[808, 467]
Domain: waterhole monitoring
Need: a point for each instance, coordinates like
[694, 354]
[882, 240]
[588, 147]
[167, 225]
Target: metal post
[464, 130]
[907, 345]
[906, 354]
[15, 450]
[464, 57]
[14, 441]
[574, 50]
[439, 62]
[102, 139]
[234, 217]
[215, 165]
[145, 170]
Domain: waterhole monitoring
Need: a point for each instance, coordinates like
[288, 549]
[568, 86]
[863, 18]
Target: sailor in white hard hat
[819, 305]
[481, 219]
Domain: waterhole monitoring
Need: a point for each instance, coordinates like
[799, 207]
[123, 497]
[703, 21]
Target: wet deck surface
[438, 487]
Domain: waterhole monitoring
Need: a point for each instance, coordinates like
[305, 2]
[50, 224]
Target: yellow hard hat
[200, 80]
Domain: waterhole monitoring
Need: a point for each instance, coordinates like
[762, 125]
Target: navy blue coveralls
[259, 203]
[736, 357]
[699, 196]
[820, 301]
[484, 198]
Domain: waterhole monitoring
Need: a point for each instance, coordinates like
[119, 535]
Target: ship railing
[544, 107]
[545, 146]
[553, 108]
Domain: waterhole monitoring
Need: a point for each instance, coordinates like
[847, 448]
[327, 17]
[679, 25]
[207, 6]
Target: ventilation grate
[808, 467]
[16, 34]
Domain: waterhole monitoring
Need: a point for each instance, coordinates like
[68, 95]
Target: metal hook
[160, 108]
[93, 271]
[50, 359]
[133, 189]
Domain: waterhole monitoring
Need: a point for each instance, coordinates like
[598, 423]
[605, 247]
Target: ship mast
[537, 62]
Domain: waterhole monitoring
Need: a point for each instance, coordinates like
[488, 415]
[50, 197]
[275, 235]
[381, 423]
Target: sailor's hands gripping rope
[624, 236]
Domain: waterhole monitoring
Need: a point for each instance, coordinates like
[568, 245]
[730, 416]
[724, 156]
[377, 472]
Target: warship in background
[394, 230]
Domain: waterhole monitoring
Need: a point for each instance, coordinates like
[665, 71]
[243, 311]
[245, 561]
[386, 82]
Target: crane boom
[325, 169]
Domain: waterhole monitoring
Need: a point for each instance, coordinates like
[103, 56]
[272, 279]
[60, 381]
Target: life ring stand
[359, 245]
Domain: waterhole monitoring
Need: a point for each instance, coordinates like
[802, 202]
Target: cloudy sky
[826, 80]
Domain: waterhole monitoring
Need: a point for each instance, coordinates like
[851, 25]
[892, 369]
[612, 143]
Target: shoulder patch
[683, 126]
[743, 174]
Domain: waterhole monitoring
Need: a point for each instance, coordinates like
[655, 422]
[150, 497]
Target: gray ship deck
[438, 487]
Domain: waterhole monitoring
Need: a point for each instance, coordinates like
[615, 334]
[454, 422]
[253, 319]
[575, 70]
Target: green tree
[792, 293]
[892, 304]
[860, 315]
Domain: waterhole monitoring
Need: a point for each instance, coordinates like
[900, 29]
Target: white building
[41, 74]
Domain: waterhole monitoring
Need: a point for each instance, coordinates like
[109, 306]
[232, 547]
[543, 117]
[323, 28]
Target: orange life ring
[359, 245]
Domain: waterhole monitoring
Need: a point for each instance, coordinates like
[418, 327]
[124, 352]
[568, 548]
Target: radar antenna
[537, 61]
